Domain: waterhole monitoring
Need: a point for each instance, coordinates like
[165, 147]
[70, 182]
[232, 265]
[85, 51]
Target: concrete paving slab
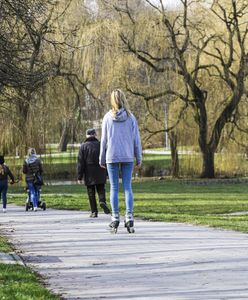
[80, 259]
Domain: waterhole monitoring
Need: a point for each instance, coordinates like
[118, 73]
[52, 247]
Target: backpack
[37, 177]
[38, 180]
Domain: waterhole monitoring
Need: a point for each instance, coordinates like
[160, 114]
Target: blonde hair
[118, 100]
[31, 151]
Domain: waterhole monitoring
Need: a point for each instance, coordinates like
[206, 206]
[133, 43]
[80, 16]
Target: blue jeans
[34, 193]
[3, 191]
[126, 174]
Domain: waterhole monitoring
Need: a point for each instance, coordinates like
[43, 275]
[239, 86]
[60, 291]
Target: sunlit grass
[21, 283]
[62, 165]
[4, 245]
[164, 201]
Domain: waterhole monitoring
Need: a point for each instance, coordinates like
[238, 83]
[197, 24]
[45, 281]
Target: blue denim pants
[3, 191]
[34, 193]
[126, 174]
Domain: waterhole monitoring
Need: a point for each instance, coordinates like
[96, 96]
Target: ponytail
[118, 101]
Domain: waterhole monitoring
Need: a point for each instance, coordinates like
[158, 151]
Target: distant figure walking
[4, 174]
[32, 167]
[120, 143]
[89, 170]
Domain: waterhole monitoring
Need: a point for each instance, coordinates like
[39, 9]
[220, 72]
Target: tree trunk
[65, 137]
[174, 155]
[22, 139]
[208, 163]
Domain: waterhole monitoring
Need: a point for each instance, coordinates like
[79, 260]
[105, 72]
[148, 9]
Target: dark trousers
[91, 189]
[3, 191]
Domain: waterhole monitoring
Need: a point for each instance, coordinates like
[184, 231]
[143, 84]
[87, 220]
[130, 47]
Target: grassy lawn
[157, 160]
[4, 245]
[62, 165]
[21, 283]
[164, 201]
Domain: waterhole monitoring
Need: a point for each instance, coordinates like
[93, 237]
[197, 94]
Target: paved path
[80, 259]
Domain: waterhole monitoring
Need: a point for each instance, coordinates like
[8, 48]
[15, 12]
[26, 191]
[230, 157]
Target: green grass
[4, 245]
[156, 159]
[21, 283]
[62, 165]
[164, 201]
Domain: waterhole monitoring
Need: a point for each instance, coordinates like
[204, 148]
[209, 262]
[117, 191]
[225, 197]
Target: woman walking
[32, 167]
[4, 174]
[120, 143]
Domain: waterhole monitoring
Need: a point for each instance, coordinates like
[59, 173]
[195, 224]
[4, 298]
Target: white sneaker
[4, 210]
[35, 208]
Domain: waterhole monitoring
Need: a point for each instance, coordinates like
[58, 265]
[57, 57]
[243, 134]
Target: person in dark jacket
[4, 174]
[89, 169]
[31, 166]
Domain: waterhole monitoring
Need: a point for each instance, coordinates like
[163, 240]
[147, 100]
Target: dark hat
[91, 131]
[1, 159]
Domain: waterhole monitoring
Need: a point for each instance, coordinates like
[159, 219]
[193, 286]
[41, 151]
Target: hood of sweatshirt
[121, 115]
[31, 159]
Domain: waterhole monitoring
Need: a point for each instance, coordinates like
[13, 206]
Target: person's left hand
[103, 166]
[80, 181]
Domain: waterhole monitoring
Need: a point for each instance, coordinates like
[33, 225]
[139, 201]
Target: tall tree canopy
[205, 45]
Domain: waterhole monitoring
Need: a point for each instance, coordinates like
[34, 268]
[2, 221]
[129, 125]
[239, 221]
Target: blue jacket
[120, 141]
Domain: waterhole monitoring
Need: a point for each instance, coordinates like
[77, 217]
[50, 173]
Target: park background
[183, 66]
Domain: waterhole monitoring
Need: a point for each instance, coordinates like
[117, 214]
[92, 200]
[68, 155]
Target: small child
[89, 169]
[4, 173]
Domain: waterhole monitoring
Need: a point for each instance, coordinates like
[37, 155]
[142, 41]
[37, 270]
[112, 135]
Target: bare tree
[200, 52]
[24, 28]
[37, 44]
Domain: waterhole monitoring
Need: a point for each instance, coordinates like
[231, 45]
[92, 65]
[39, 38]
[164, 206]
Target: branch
[158, 59]
[159, 95]
[151, 113]
[205, 67]
[200, 51]
[186, 38]
[68, 74]
[139, 56]
[126, 11]
[180, 116]
[154, 6]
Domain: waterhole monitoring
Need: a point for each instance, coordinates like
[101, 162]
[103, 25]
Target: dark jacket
[6, 172]
[31, 167]
[88, 163]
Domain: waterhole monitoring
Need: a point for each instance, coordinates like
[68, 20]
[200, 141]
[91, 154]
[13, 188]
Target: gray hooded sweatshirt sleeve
[120, 140]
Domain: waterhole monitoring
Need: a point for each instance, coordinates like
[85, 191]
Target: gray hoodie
[120, 140]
